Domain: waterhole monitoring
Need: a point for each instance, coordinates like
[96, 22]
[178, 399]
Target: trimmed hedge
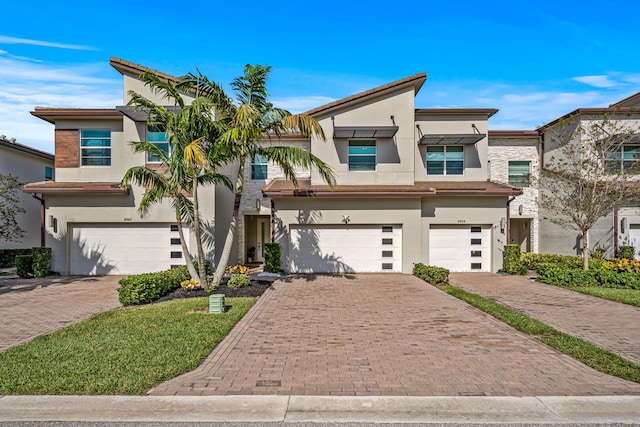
[626, 252]
[272, 257]
[530, 260]
[24, 265]
[555, 274]
[41, 261]
[146, 288]
[512, 264]
[8, 256]
[431, 274]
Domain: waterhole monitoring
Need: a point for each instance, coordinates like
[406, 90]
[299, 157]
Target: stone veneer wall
[503, 150]
[253, 190]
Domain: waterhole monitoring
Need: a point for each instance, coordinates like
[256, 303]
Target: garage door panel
[460, 248]
[345, 249]
[123, 249]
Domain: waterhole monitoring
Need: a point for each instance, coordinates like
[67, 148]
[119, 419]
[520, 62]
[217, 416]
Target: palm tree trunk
[185, 250]
[196, 224]
[235, 219]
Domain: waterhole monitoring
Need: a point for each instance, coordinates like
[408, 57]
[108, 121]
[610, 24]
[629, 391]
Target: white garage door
[345, 249]
[124, 249]
[460, 248]
[634, 238]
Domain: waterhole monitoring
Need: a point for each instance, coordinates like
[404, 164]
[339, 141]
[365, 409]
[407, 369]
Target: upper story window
[624, 159]
[259, 167]
[157, 135]
[48, 173]
[95, 147]
[520, 173]
[445, 160]
[362, 155]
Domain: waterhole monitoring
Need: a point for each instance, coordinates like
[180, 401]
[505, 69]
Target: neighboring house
[29, 165]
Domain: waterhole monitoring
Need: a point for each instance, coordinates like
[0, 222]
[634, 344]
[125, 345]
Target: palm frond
[290, 158]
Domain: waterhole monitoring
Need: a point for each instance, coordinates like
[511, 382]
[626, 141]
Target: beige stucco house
[29, 165]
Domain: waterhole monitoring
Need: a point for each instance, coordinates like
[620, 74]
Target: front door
[521, 233]
[263, 231]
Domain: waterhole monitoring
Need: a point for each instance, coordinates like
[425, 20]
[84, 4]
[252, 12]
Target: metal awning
[451, 139]
[365, 131]
[141, 114]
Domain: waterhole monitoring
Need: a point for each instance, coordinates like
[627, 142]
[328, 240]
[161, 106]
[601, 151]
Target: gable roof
[136, 69]
[581, 111]
[629, 101]
[417, 80]
[12, 144]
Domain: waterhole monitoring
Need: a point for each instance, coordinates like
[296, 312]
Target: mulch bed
[254, 289]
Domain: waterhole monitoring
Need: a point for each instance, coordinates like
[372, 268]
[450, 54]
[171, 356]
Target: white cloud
[596, 81]
[15, 40]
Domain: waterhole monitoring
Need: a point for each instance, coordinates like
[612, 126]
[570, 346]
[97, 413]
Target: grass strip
[625, 296]
[591, 355]
[122, 351]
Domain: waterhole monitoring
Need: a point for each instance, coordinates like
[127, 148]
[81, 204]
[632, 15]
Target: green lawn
[625, 296]
[587, 353]
[122, 351]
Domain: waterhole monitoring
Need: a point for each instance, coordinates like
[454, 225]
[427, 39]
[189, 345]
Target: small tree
[10, 208]
[591, 175]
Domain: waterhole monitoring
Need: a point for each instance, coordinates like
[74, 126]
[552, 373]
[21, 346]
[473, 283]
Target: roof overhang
[365, 131]
[25, 149]
[142, 114]
[451, 139]
[52, 114]
[53, 187]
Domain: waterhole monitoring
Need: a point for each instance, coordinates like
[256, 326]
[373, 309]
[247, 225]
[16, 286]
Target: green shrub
[626, 252]
[556, 274]
[619, 280]
[530, 259]
[272, 257]
[598, 252]
[24, 265]
[238, 281]
[623, 265]
[8, 256]
[512, 264]
[146, 288]
[431, 274]
[41, 261]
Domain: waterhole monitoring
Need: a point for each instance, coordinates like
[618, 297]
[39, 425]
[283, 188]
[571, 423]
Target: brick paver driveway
[608, 324]
[33, 307]
[382, 334]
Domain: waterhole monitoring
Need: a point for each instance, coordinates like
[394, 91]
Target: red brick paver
[381, 334]
[33, 307]
[608, 324]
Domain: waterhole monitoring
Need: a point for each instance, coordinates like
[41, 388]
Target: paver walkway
[382, 334]
[33, 307]
[608, 324]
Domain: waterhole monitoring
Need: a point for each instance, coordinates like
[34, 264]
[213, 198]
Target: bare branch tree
[10, 207]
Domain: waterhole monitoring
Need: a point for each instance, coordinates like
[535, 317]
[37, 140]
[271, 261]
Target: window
[174, 227]
[387, 254]
[157, 135]
[387, 228]
[387, 266]
[259, 167]
[625, 159]
[519, 173]
[362, 155]
[476, 266]
[176, 254]
[476, 253]
[48, 173]
[476, 229]
[476, 241]
[175, 241]
[445, 160]
[95, 147]
[387, 241]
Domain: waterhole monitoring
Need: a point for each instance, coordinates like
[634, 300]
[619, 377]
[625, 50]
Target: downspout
[508, 225]
[273, 220]
[42, 224]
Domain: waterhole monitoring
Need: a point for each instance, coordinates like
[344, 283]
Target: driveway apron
[33, 307]
[382, 334]
[608, 324]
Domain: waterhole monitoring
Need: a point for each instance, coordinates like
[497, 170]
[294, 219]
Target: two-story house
[28, 164]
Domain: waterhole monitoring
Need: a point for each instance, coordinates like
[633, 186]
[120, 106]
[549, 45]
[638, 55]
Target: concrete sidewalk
[323, 409]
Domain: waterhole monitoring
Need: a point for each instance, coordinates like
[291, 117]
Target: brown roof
[51, 114]
[488, 111]
[416, 80]
[500, 133]
[53, 187]
[285, 188]
[627, 102]
[125, 66]
[11, 143]
[581, 111]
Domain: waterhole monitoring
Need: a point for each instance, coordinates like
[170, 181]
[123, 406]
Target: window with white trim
[259, 167]
[157, 135]
[48, 173]
[362, 155]
[95, 147]
[445, 160]
[625, 159]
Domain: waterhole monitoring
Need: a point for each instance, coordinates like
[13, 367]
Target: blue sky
[535, 60]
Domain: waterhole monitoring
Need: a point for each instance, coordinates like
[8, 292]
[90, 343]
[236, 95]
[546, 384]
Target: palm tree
[190, 162]
[249, 120]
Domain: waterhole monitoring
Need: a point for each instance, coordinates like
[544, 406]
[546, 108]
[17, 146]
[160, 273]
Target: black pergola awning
[451, 139]
[365, 131]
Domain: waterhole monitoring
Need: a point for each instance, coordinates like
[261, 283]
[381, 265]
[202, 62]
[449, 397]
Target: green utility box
[216, 303]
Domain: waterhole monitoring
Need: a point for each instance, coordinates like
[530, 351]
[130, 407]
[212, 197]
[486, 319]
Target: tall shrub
[24, 265]
[8, 256]
[41, 261]
[626, 252]
[512, 263]
[272, 257]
